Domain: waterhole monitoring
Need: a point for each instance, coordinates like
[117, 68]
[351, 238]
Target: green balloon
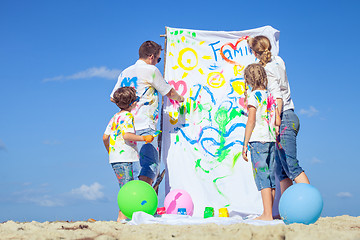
[137, 196]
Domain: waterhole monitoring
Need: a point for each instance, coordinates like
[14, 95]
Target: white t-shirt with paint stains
[265, 105]
[148, 82]
[278, 84]
[121, 150]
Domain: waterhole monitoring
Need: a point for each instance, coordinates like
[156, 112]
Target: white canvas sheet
[203, 137]
[173, 219]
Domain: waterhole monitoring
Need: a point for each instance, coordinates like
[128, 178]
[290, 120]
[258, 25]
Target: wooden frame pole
[161, 176]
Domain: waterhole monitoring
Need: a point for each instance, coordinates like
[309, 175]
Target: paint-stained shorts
[263, 161]
[287, 164]
[123, 172]
[149, 164]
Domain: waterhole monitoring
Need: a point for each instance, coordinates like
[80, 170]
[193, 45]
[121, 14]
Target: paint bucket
[181, 211]
[161, 211]
[209, 212]
[223, 212]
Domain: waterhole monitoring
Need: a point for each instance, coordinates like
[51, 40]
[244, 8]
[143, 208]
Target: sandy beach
[341, 227]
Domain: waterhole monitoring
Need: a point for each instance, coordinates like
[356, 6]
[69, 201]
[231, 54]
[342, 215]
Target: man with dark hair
[146, 78]
[148, 48]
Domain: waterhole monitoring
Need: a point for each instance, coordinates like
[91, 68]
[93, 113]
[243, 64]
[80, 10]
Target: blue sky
[59, 61]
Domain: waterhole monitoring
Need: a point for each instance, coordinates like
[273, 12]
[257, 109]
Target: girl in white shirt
[287, 164]
[260, 135]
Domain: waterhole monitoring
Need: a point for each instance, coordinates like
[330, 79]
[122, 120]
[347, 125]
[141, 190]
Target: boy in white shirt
[146, 78]
[120, 138]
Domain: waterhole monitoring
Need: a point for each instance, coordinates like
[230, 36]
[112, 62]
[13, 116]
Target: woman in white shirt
[287, 164]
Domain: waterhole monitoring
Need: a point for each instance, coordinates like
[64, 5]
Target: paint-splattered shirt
[148, 82]
[278, 84]
[121, 150]
[265, 105]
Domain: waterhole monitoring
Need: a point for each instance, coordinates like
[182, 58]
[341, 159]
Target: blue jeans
[287, 165]
[123, 172]
[149, 164]
[263, 161]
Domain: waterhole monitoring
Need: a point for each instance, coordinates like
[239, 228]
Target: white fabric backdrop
[203, 137]
[172, 219]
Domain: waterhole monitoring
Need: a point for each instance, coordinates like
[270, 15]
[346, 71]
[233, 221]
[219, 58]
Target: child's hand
[277, 130]
[244, 153]
[148, 138]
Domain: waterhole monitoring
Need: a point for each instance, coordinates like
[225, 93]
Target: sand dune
[341, 227]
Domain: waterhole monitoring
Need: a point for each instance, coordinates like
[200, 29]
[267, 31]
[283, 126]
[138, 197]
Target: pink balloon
[178, 198]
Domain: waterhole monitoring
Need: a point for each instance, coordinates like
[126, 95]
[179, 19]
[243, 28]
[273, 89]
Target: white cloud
[309, 112]
[43, 195]
[315, 160]
[38, 195]
[46, 201]
[92, 192]
[344, 195]
[100, 72]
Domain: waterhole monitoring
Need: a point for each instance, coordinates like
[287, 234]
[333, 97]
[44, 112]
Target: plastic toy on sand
[161, 211]
[176, 199]
[223, 212]
[137, 196]
[209, 212]
[182, 211]
[301, 203]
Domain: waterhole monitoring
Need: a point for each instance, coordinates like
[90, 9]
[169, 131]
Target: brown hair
[261, 46]
[124, 96]
[149, 48]
[255, 76]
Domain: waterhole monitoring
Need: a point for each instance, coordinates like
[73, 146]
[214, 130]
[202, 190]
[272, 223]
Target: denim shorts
[123, 172]
[149, 164]
[287, 165]
[263, 161]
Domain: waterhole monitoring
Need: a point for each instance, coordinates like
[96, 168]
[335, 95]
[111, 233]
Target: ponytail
[265, 57]
[262, 47]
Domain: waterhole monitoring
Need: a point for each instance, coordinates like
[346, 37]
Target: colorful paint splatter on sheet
[203, 136]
